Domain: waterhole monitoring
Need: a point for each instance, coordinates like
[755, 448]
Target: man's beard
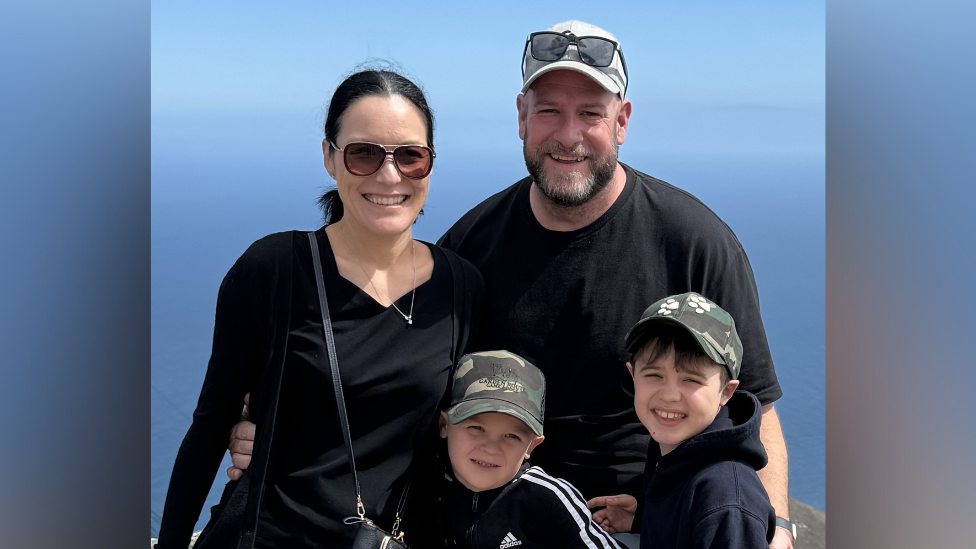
[573, 189]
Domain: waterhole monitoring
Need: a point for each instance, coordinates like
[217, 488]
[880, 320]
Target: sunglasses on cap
[412, 161]
[550, 46]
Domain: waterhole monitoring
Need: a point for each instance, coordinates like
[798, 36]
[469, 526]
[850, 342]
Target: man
[574, 253]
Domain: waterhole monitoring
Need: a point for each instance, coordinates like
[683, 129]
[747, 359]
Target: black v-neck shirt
[393, 378]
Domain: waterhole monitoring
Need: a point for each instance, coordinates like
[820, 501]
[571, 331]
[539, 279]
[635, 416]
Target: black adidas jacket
[705, 493]
[534, 510]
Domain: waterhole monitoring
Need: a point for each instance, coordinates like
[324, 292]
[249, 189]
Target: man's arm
[775, 475]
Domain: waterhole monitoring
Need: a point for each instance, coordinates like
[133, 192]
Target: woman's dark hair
[367, 83]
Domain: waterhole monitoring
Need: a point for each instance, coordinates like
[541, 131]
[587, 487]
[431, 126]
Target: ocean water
[207, 208]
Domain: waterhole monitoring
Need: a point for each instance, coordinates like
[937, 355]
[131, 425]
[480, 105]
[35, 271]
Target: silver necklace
[413, 263]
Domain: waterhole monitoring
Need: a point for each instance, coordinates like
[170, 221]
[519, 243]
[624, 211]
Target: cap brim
[595, 74]
[470, 408]
[639, 334]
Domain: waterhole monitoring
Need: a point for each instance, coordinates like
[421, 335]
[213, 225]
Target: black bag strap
[337, 382]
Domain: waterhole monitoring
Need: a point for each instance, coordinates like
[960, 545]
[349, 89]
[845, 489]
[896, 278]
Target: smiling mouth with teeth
[484, 463]
[386, 200]
[561, 158]
[669, 415]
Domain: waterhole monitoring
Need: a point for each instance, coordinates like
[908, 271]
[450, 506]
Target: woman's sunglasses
[412, 161]
[551, 46]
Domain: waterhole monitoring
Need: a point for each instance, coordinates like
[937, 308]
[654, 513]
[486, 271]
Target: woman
[399, 311]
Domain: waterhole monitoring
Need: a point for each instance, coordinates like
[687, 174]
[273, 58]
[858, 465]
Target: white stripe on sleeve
[575, 505]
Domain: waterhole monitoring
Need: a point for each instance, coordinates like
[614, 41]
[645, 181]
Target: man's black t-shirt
[565, 300]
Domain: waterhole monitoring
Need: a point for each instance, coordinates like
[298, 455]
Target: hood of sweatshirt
[732, 436]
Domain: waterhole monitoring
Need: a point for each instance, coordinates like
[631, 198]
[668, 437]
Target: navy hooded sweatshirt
[705, 492]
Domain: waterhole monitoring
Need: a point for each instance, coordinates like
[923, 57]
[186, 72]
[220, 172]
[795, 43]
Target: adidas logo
[509, 541]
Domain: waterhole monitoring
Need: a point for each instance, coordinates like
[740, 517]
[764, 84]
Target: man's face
[487, 450]
[677, 405]
[570, 129]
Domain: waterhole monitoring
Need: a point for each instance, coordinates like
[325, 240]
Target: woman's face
[386, 202]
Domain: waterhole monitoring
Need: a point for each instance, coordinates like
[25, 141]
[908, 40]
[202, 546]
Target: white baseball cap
[612, 77]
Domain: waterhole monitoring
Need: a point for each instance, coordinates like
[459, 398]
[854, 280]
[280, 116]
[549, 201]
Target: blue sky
[728, 78]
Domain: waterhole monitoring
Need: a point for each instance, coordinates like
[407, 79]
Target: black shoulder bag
[368, 535]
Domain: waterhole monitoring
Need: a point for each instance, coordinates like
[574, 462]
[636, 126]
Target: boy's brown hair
[688, 355]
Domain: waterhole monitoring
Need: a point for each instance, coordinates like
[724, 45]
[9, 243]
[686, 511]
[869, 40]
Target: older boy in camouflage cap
[702, 489]
[493, 423]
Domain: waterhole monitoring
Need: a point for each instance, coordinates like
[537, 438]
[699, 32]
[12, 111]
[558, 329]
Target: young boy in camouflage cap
[492, 499]
[702, 489]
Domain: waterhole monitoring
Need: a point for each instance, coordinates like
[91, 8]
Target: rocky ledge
[811, 527]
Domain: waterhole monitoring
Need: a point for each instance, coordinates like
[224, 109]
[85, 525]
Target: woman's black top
[268, 327]
[393, 377]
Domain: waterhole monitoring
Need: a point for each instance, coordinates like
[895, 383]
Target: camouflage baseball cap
[711, 326]
[498, 381]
